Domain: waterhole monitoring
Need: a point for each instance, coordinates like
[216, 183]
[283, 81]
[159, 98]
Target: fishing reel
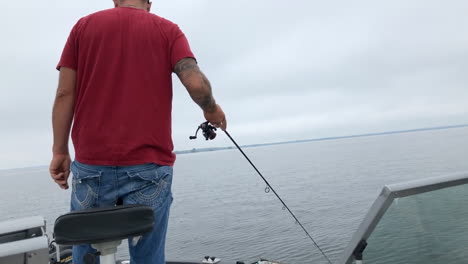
[208, 131]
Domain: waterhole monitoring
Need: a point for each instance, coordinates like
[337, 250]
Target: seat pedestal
[107, 251]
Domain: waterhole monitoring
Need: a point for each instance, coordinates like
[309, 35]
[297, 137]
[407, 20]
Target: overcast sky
[282, 70]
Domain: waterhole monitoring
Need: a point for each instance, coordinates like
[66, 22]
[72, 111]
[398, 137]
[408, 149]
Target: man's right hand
[216, 117]
[60, 169]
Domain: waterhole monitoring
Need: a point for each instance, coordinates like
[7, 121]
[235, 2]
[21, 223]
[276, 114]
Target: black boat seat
[100, 225]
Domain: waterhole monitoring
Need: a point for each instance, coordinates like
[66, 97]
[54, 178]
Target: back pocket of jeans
[86, 184]
[151, 186]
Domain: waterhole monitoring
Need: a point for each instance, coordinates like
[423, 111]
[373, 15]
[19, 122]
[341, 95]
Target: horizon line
[182, 152]
[195, 150]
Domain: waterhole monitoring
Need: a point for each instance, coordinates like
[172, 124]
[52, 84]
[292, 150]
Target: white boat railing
[24, 241]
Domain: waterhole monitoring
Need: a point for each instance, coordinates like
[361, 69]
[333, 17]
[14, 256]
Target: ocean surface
[221, 208]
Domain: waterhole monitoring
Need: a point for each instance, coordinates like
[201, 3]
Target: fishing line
[209, 133]
[268, 188]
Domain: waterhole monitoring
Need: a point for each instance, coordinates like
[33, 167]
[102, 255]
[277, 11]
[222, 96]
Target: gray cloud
[281, 70]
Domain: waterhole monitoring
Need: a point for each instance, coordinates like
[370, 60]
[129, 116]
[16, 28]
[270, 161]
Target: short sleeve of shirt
[180, 47]
[69, 56]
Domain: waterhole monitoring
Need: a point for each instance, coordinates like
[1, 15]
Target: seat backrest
[103, 224]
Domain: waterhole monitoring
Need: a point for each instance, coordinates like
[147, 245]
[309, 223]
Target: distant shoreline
[199, 150]
[195, 150]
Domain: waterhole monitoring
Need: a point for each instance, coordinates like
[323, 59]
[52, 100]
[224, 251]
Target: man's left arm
[62, 117]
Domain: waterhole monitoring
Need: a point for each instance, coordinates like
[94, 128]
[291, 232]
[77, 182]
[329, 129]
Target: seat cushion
[99, 225]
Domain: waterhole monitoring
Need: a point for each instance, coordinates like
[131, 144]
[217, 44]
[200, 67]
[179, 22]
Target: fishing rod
[209, 133]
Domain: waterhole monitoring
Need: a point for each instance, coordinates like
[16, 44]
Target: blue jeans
[148, 184]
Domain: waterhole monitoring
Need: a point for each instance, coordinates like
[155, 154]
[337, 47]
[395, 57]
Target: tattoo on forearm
[207, 103]
[196, 83]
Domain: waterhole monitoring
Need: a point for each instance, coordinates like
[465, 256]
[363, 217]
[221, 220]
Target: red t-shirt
[124, 59]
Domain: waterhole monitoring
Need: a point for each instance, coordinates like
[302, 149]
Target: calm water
[221, 209]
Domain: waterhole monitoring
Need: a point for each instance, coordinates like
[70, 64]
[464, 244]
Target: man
[115, 85]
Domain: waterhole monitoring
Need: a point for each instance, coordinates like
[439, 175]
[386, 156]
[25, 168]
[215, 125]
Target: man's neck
[133, 4]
